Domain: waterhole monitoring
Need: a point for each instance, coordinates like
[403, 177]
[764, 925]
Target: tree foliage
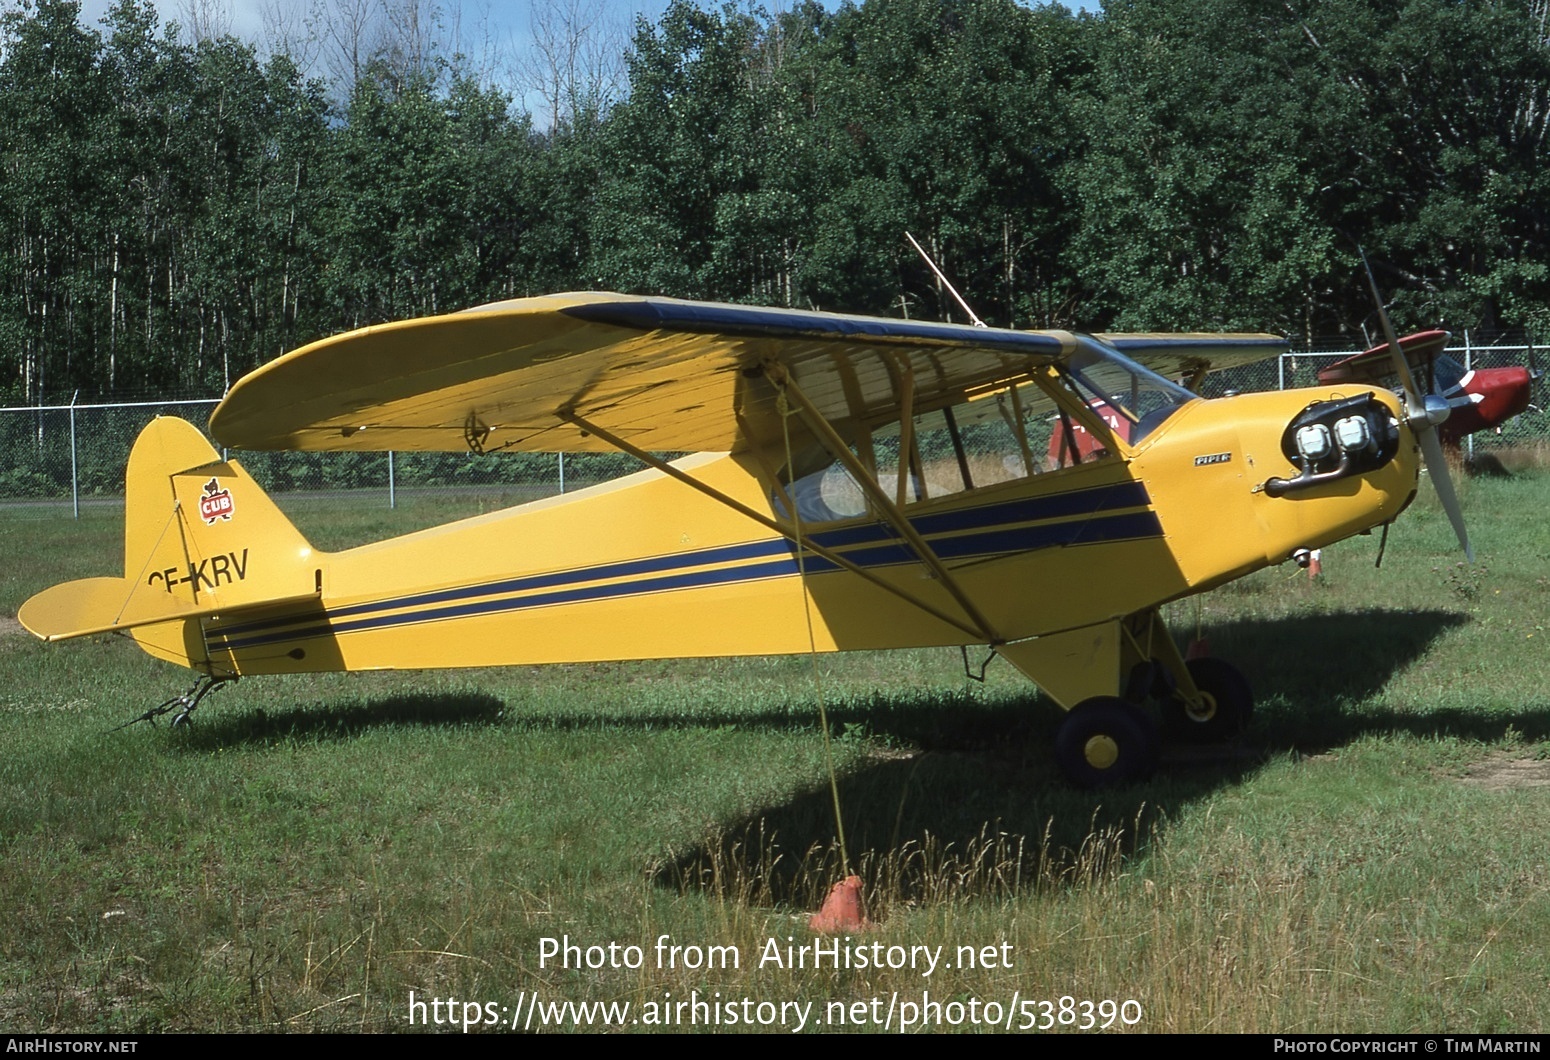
[176, 211]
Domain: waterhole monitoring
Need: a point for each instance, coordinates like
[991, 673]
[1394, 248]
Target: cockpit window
[1015, 429]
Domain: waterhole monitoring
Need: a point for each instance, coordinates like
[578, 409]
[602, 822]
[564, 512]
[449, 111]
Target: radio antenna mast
[973, 319]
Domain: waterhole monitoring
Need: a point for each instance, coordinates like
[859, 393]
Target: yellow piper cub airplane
[859, 483]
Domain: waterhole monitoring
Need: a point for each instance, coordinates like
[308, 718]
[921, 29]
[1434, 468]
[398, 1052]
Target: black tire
[1230, 704]
[1104, 742]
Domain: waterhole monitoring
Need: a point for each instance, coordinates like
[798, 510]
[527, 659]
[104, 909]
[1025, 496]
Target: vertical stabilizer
[200, 539]
[200, 530]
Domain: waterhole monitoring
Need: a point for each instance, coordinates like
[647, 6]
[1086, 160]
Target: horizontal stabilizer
[201, 539]
[106, 605]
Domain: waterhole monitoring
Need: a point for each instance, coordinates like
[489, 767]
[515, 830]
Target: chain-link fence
[1301, 368]
[74, 455]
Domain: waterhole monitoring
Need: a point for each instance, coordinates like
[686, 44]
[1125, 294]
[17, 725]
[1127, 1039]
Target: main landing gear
[1220, 711]
[1128, 688]
[1105, 741]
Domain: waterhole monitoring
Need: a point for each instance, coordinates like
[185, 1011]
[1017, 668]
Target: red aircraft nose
[1495, 396]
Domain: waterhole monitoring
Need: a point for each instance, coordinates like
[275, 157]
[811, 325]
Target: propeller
[1424, 413]
[1456, 396]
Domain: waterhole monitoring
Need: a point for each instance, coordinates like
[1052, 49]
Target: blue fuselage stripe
[754, 561]
[627, 569]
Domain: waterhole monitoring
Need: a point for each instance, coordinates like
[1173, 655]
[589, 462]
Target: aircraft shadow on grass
[980, 808]
[976, 803]
[1361, 650]
[335, 721]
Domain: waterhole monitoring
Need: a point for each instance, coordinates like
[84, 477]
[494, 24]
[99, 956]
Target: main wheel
[1105, 741]
[1227, 702]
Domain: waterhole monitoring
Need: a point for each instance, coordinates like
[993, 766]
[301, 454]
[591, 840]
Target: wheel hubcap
[1204, 710]
[1101, 751]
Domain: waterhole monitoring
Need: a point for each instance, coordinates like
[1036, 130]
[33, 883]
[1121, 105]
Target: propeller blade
[1413, 398]
[1425, 417]
[1442, 482]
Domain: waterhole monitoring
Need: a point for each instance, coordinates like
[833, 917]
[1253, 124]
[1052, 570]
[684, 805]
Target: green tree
[54, 105]
[951, 118]
[431, 199]
[1238, 153]
[680, 142]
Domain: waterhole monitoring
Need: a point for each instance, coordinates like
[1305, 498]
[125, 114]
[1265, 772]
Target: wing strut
[777, 375]
[803, 540]
[907, 469]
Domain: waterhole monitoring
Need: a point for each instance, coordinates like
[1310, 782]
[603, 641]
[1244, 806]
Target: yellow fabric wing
[664, 374]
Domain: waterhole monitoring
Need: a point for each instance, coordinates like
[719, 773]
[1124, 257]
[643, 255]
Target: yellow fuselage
[644, 567]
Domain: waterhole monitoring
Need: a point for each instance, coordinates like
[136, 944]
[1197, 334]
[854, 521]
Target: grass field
[1372, 856]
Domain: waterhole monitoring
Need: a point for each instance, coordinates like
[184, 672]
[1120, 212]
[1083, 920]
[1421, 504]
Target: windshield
[1447, 374]
[1131, 399]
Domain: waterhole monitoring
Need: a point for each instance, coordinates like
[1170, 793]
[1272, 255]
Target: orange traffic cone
[1314, 566]
[842, 910]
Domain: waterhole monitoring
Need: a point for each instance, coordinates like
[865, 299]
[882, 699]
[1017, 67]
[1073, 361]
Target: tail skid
[184, 704]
